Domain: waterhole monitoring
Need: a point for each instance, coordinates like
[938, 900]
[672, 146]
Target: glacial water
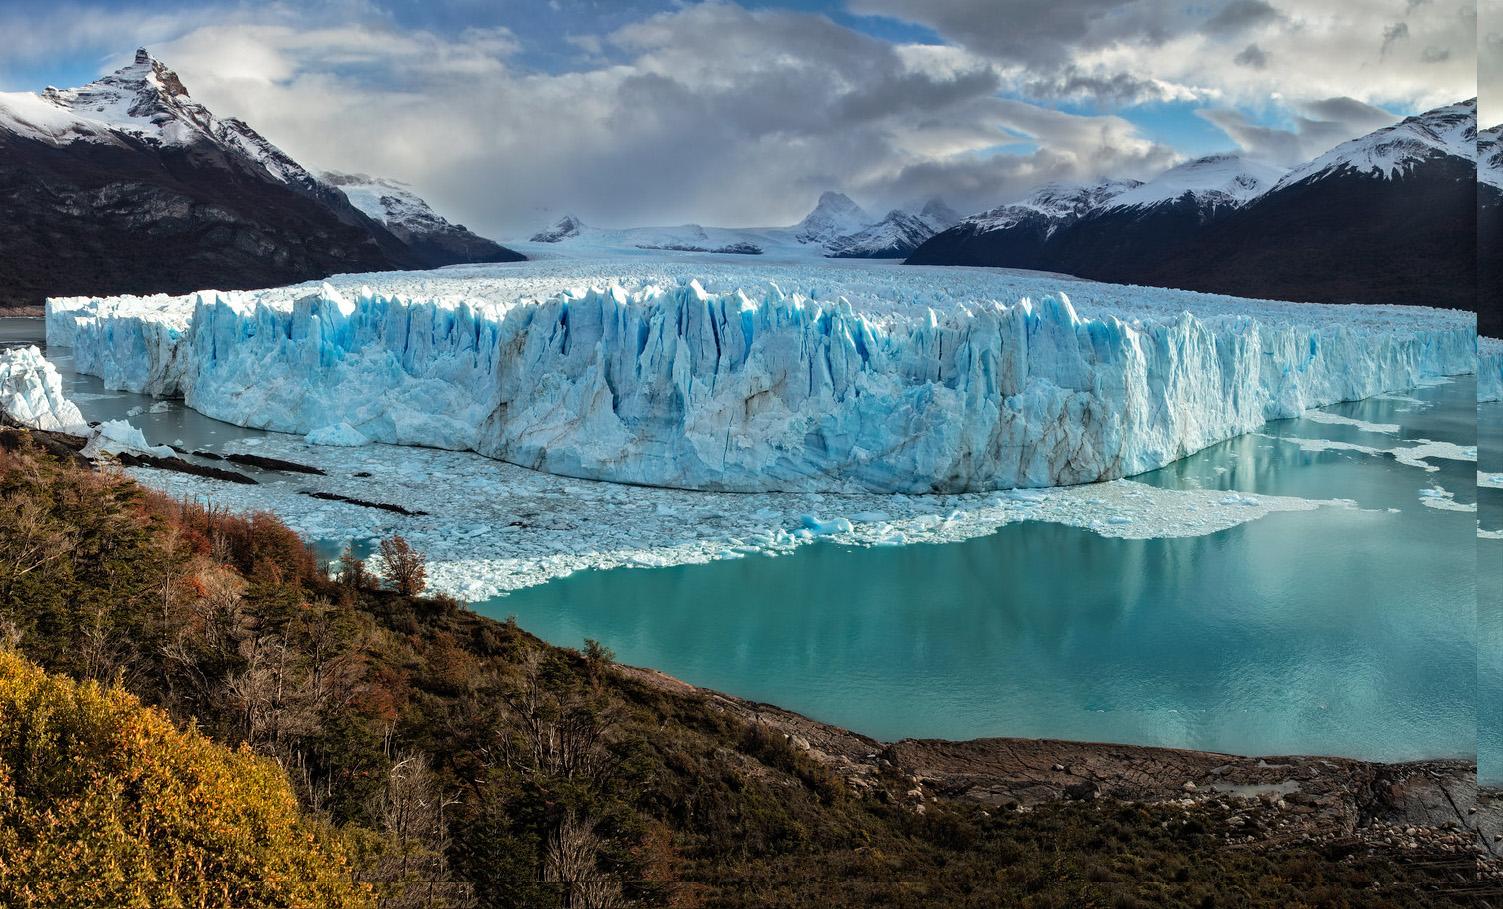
[1336, 631]
[1490, 600]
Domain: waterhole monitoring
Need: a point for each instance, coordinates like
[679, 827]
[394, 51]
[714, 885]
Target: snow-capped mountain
[1210, 182]
[898, 234]
[1448, 132]
[1054, 204]
[414, 222]
[836, 227]
[1490, 157]
[562, 229]
[1385, 218]
[129, 185]
[834, 216]
[1017, 232]
[938, 215]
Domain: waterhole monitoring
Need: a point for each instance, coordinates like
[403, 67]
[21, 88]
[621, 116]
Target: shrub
[104, 802]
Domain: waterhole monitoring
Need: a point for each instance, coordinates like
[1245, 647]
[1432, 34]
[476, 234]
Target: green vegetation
[465, 763]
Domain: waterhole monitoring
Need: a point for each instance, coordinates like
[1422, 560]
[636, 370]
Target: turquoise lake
[1347, 631]
[1338, 631]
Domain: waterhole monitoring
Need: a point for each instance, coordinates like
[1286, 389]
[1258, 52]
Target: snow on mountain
[834, 216]
[938, 215]
[895, 236]
[710, 374]
[562, 229]
[1212, 180]
[388, 201]
[1490, 156]
[1055, 203]
[1394, 151]
[414, 222]
[147, 102]
[836, 226]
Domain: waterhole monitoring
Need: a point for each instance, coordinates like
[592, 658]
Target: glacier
[705, 375]
[1489, 370]
[31, 392]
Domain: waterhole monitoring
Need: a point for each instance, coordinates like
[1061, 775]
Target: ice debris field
[696, 373]
[491, 528]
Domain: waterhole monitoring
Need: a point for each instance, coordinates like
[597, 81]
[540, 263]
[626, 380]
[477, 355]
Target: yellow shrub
[106, 803]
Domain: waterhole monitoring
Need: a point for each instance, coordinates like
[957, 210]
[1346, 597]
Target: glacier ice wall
[31, 392]
[674, 385]
[1489, 370]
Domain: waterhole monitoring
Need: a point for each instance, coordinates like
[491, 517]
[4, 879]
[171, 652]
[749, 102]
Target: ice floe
[1419, 454]
[1440, 498]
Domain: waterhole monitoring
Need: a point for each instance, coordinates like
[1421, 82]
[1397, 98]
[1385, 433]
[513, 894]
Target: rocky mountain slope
[129, 185]
[1385, 218]
[1490, 232]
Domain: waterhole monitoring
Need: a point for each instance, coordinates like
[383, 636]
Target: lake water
[1336, 631]
[1490, 601]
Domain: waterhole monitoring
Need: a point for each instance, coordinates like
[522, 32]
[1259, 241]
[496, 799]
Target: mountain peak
[142, 56]
[835, 215]
[562, 229]
[1395, 151]
[1218, 179]
[938, 215]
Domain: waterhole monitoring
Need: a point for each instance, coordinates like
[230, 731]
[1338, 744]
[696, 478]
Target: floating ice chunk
[1239, 499]
[1335, 419]
[340, 434]
[1119, 519]
[828, 528]
[1443, 499]
[159, 407]
[31, 392]
[870, 517]
[116, 436]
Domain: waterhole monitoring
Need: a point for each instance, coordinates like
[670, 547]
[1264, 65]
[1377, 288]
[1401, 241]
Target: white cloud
[1317, 126]
[1378, 51]
[716, 114]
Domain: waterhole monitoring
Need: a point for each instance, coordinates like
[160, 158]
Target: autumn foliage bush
[105, 802]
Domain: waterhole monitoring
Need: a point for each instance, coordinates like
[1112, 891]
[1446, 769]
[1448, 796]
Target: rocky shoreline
[1430, 810]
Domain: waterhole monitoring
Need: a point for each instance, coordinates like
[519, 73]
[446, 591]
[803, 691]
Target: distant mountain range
[836, 228]
[127, 185]
[1385, 218]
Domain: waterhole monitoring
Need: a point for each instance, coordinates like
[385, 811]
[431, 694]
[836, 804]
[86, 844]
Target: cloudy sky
[509, 113]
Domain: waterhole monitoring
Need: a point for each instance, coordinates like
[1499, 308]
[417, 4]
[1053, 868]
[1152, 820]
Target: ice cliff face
[1489, 370]
[770, 380]
[31, 392]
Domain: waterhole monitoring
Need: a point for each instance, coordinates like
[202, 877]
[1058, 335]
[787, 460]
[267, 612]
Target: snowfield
[696, 372]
